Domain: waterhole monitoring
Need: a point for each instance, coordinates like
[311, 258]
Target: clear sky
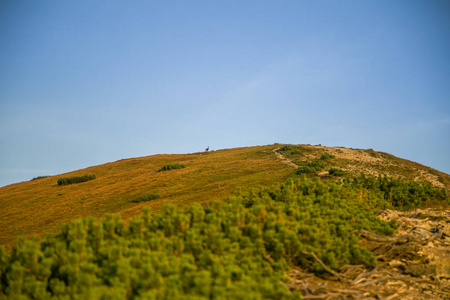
[88, 82]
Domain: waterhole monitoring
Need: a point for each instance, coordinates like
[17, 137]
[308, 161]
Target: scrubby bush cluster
[238, 248]
[286, 148]
[326, 156]
[145, 197]
[40, 177]
[397, 192]
[337, 172]
[290, 149]
[311, 167]
[171, 167]
[75, 179]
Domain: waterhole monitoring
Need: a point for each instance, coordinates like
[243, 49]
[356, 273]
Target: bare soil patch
[433, 179]
[352, 154]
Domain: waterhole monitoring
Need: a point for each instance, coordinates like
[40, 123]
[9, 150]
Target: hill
[39, 206]
[308, 221]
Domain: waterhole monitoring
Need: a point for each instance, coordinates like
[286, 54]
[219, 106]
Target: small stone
[395, 263]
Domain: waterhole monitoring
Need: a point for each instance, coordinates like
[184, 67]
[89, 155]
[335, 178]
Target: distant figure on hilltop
[207, 149]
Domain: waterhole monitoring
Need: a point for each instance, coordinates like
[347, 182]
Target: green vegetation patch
[146, 197]
[75, 179]
[326, 156]
[399, 193]
[291, 150]
[40, 177]
[311, 167]
[238, 248]
[286, 148]
[337, 172]
[306, 170]
[314, 166]
[171, 167]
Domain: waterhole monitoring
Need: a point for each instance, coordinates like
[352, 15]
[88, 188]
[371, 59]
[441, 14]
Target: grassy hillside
[38, 206]
[34, 207]
[312, 211]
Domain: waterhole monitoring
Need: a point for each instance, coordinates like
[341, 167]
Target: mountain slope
[38, 206]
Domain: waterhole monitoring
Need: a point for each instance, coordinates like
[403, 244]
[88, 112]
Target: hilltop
[39, 206]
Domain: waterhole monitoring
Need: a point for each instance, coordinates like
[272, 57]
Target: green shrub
[289, 148]
[311, 167]
[306, 170]
[146, 197]
[326, 156]
[40, 177]
[76, 179]
[317, 164]
[172, 167]
[337, 172]
[286, 148]
[399, 193]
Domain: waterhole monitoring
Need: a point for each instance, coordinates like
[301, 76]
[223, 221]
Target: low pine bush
[146, 197]
[399, 193]
[172, 167]
[286, 148]
[290, 149]
[337, 172]
[311, 167]
[326, 156]
[296, 151]
[306, 170]
[76, 179]
[40, 177]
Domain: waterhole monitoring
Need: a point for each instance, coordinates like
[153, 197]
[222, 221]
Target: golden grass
[34, 207]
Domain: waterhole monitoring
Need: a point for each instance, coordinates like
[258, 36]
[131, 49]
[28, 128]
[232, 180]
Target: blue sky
[88, 82]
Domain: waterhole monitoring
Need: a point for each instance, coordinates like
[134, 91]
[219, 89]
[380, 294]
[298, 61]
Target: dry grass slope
[34, 207]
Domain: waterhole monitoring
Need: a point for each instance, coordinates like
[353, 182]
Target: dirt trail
[414, 264]
[284, 159]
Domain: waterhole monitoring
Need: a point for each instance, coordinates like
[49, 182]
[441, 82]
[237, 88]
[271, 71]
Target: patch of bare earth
[433, 179]
[414, 264]
[353, 154]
